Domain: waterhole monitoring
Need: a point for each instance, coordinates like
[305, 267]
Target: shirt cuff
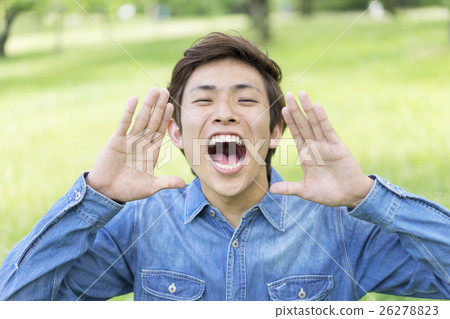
[96, 207]
[380, 205]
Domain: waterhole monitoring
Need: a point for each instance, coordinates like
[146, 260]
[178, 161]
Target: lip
[222, 170]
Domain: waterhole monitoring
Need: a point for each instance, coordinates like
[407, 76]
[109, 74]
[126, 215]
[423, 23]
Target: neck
[233, 207]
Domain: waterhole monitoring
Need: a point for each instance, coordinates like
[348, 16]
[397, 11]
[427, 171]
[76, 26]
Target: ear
[175, 133]
[275, 136]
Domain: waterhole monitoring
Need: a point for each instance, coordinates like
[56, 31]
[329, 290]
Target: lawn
[384, 84]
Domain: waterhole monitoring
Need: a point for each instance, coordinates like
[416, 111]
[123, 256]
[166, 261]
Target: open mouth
[227, 151]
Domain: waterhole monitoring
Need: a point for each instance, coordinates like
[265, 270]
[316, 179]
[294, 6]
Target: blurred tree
[203, 7]
[306, 7]
[259, 13]
[390, 5]
[10, 9]
[60, 8]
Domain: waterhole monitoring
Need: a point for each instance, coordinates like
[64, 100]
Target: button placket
[236, 287]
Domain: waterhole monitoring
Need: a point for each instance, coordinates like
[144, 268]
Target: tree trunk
[60, 10]
[307, 7]
[10, 16]
[259, 11]
[390, 6]
[448, 22]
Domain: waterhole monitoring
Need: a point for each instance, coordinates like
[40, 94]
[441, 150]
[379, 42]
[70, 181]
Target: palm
[332, 176]
[124, 169]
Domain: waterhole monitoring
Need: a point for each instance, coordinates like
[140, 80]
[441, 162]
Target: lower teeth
[228, 167]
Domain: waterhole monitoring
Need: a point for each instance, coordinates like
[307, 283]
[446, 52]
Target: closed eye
[248, 101]
[202, 101]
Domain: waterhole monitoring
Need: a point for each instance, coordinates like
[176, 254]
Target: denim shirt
[175, 246]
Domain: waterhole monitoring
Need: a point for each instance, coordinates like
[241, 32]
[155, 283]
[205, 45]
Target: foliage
[384, 86]
[362, 4]
[9, 10]
[204, 7]
[18, 5]
[176, 7]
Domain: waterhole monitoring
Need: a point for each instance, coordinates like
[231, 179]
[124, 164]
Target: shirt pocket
[305, 287]
[172, 285]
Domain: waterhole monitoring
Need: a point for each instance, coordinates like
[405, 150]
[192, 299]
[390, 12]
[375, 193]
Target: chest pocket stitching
[157, 283]
[316, 287]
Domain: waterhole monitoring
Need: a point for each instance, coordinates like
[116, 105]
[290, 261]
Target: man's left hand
[335, 179]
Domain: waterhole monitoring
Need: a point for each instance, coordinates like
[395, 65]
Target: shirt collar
[195, 201]
[272, 206]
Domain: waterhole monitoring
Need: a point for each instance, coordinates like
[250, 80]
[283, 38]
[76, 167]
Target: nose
[224, 114]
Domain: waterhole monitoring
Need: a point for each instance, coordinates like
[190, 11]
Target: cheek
[193, 145]
[188, 140]
[199, 113]
[261, 126]
[262, 141]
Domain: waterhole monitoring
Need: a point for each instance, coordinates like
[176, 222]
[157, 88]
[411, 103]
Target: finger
[292, 127]
[327, 129]
[158, 136]
[300, 119]
[310, 112]
[289, 188]
[127, 116]
[146, 109]
[158, 111]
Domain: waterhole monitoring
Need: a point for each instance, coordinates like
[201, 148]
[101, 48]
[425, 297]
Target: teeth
[228, 167]
[225, 139]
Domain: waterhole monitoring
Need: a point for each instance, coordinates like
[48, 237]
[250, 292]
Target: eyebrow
[240, 86]
[204, 87]
[244, 86]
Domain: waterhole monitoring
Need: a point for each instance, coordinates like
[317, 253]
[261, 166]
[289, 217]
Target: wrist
[92, 182]
[365, 189]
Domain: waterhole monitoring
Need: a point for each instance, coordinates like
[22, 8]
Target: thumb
[165, 182]
[289, 188]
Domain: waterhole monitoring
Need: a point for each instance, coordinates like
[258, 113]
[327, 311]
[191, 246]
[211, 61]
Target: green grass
[384, 84]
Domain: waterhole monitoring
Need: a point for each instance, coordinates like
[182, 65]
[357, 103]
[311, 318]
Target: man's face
[225, 128]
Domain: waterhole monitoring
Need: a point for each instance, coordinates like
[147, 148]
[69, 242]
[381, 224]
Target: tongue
[233, 159]
[225, 160]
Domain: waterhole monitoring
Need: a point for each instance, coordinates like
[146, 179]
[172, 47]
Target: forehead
[225, 74]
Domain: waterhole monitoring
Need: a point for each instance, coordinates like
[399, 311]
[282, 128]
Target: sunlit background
[68, 67]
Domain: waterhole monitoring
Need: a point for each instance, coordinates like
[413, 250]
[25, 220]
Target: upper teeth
[225, 139]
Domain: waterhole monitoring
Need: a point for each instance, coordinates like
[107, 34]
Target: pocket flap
[172, 285]
[307, 287]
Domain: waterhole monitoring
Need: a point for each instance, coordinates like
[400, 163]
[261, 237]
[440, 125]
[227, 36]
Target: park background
[64, 82]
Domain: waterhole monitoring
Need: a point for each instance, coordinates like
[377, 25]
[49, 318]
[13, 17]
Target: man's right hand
[124, 169]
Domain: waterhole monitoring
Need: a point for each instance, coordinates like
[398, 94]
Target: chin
[230, 185]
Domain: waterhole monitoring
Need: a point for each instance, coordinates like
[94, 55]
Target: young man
[238, 231]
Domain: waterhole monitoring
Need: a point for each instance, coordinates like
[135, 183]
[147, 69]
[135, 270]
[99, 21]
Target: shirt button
[235, 243]
[77, 195]
[172, 288]
[212, 213]
[301, 294]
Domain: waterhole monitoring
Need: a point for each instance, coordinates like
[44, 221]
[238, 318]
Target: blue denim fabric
[176, 246]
